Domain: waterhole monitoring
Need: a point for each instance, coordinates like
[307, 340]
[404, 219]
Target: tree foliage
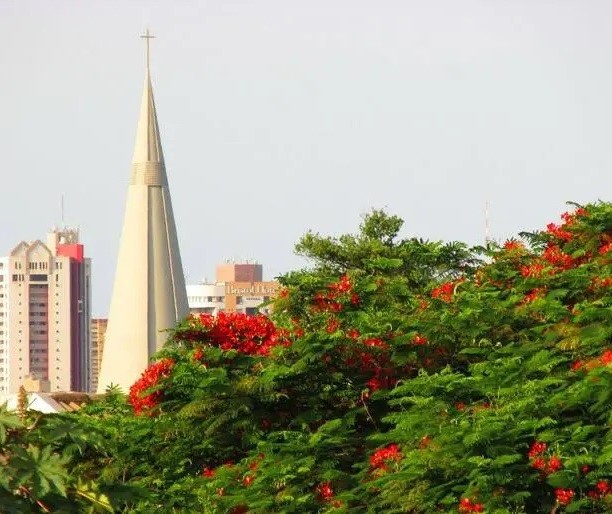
[395, 375]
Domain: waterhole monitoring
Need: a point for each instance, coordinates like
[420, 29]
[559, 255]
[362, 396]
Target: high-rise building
[98, 332]
[45, 298]
[149, 294]
[239, 287]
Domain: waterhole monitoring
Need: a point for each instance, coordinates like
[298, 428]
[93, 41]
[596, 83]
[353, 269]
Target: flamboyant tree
[395, 375]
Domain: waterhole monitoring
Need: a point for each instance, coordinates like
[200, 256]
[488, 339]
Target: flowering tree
[395, 375]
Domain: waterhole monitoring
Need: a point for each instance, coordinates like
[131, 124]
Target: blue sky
[279, 116]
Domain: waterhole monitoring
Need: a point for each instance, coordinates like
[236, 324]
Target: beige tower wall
[149, 294]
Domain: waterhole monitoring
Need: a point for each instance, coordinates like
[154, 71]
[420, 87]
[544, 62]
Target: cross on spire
[147, 37]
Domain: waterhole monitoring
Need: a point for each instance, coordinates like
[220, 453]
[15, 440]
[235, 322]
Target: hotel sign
[251, 289]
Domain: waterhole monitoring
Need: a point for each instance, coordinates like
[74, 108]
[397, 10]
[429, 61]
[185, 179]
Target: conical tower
[149, 293]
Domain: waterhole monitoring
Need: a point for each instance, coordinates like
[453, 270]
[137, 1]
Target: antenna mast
[486, 221]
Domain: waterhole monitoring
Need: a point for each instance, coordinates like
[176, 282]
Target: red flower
[342, 286]
[375, 342]
[556, 257]
[554, 465]
[332, 325]
[558, 232]
[533, 270]
[248, 480]
[513, 244]
[254, 335]
[604, 249]
[602, 486]
[141, 397]
[564, 496]
[419, 340]
[537, 448]
[466, 505]
[353, 333]
[444, 292]
[383, 456]
[576, 365]
[198, 354]
[325, 491]
[606, 357]
[533, 295]
[208, 472]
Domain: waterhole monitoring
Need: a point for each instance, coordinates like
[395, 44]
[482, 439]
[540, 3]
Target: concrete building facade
[239, 287]
[45, 299]
[97, 335]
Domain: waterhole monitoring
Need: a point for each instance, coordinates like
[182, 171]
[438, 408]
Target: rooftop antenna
[486, 220]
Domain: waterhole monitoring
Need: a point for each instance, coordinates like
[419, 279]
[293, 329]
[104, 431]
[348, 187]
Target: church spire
[149, 294]
[148, 143]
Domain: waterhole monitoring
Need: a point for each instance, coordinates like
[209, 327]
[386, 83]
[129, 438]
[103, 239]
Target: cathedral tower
[149, 292]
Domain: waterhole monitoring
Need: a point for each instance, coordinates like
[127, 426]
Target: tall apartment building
[45, 298]
[239, 287]
[98, 333]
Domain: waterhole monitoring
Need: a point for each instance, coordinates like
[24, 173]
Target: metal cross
[147, 37]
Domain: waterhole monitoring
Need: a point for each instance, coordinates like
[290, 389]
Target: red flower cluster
[419, 340]
[383, 456]
[602, 488]
[342, 286]
[559, 231]
[555, 256]
[140, 397]
[533, 295]
[537, 448]
[208, 472]
[253, 335]
[513, 244]
[353, 334]
[598, 282]
[466, 505]
[380, 381]
[325, 491]
[541, 463]
[547, 467]
[375, 342]
[444, 292]
[564, 496]
[533, 270]
[338, 292]
[332, 325]
[569, 219]
[605, 248]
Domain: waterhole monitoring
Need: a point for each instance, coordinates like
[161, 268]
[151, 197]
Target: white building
[239, 287]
